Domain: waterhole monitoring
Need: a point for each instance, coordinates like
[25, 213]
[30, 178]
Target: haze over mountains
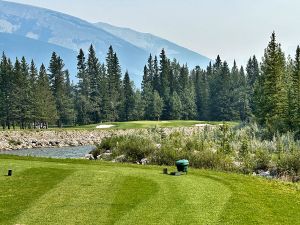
[36, 32]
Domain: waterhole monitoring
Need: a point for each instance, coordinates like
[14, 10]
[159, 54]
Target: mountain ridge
[72, 33]
[155, 48]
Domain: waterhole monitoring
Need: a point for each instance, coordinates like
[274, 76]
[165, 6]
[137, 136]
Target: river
[60, 153]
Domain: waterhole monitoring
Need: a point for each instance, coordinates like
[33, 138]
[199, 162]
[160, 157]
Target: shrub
[248, 164]
[206, 160]
[289, 162]
[262, 159]
[167, 153]
[135, 148]
[244, 149]
[108, 143]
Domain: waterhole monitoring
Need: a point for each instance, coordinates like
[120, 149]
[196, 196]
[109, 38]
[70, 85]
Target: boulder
[120, 158]
[89, 156]
[265, 174]
[144, 161]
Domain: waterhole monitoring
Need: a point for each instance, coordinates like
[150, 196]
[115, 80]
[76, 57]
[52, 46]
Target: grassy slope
[152, 124]
[45, 191]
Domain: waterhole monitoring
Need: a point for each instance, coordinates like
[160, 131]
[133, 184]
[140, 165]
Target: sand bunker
[202, 125]
[104, 126]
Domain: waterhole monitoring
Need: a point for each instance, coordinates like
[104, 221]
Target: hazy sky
[235, 29]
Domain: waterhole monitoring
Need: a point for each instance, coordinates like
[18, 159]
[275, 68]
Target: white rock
[144, 161]
[89, 156]
[120, 158]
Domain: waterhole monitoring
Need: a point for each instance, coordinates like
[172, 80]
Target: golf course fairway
[50, 191]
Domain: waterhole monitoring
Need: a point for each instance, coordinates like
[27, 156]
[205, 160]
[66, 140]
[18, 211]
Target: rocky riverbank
[13, 140]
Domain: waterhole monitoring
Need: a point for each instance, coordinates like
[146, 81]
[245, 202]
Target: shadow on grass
[125, 201]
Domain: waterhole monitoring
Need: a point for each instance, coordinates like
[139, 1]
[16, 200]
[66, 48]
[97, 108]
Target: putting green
[80, 192]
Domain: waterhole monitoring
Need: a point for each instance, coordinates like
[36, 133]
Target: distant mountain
[18, 46]
[36, 32]
[153, 44]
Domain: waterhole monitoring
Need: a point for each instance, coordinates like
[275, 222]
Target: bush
[108, 143]
[248, 164]
[262, 159]
[206, 160]
[135, 148]
[289, 162]
[223, 148]
[174, 147]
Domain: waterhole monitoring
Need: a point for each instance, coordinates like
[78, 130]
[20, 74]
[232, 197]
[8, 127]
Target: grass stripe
[106, 193]
[22, 189]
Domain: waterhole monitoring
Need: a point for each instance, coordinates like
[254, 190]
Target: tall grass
[246, 148]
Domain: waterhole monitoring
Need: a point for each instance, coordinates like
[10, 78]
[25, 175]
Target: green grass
[152, 124]
[140, 124]
[52, 191]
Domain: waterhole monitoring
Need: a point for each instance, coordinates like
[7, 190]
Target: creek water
[61, 153]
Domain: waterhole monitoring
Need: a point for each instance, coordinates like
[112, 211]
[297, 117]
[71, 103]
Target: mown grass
[52, 191]
[138, 125]
[152, 124]
[20, 191]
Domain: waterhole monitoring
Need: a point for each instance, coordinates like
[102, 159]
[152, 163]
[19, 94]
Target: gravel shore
[13, 140]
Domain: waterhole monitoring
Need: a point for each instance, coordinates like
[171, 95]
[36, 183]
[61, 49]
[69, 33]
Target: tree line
[266, 92]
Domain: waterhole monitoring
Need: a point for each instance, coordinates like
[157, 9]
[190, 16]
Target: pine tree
[104, 94]
[82, 75]
[288, 79]
[33, 94]
[202, 93]
[188, 98]
[6, 91]
[60, 89]
[25, 104]
[45, 103]
[69, 102]
[2, 94]
[215, 85]
[244, 99]
[237, 95]
[157, 105]
[176, 107]
[221, 104]
[224, 104]
[83, 103]
[273, 105]
[114, 85]
[295, 92]
[151, 69]
[253, 73]
[156, 78]
[138, 112]
[183, 78]
[147, 95]
[175, 76]
[164, 69]
[128, 107]
[93, 79]
[16, 94]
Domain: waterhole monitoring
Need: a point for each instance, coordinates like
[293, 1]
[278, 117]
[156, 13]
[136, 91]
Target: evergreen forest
[265, 91]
